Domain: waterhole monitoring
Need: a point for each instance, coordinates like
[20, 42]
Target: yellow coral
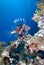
[40, 5]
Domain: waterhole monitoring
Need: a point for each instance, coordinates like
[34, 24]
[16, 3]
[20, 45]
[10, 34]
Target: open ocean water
[11, 10]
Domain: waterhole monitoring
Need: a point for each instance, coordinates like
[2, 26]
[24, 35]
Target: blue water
[13, 9]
